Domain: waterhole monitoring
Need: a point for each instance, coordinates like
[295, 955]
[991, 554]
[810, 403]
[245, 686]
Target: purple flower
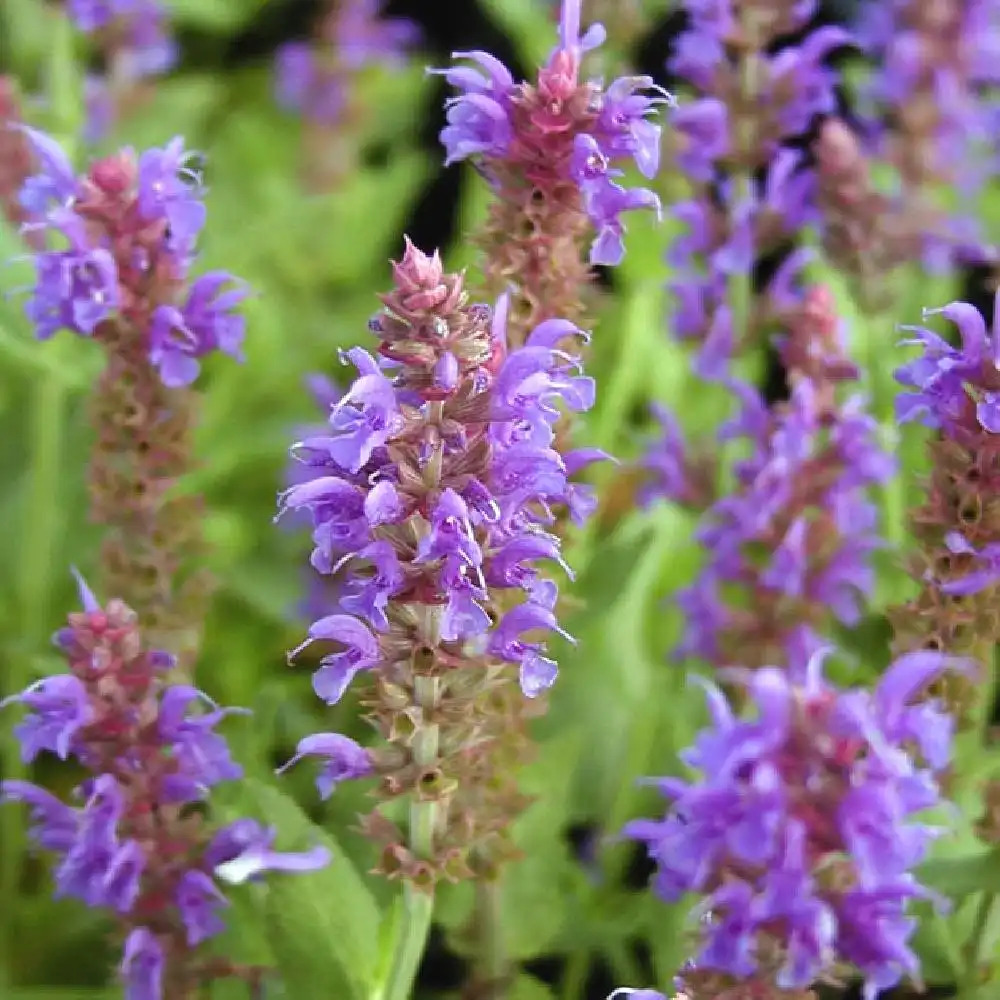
[762, 826]
[559, 130]
[127, 847]
[342, 759]
[202, 755]
[243, 851]
[206, 323]
[168, 189]
[75, 289]
[438, 492]
[936, 383]
[479, 120]
[54, 823]
[315, 78]
[59, 707]
[338, 669]
[142, 966]
[198, 898]
[113, 224]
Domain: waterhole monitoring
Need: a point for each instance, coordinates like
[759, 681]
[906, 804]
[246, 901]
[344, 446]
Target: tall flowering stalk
[753, 194]
[868, 234]
[955, 391]
[932, 96]
[318, 79]
[133, 845]
[133, 42]
[799, 831]
[789, 546]
[126, 233]
[432, 490]
[552, 152]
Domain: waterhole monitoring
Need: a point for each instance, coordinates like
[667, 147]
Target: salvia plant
[568, 431]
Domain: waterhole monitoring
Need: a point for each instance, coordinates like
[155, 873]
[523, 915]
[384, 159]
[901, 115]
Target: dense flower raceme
[553, 153]
[126, 233]
[751, 102]
[117, 248]
[788, 548]
[955, 391]
[801, 830]
[433, 488]
[132, 844]
[934, 81]
[314, 78]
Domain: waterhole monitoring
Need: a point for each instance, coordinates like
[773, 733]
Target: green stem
[974, 946]
[492, 964]
[418, 901]
[418, 906]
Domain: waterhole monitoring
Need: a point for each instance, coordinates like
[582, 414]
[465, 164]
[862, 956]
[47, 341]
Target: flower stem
[418, 901]
[491, 954]
[974, 945]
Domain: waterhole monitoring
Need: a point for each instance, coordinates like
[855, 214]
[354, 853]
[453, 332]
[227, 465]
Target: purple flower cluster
[560, 133]
[131, 845]
[935, 80]
[956, 390]
[433, 487]
[314, 79]
[127, 232]
[789, 547]
[142, 44]
[800, 830]
[730, 131]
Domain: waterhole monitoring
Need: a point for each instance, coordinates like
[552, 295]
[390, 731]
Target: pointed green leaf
[322, 926]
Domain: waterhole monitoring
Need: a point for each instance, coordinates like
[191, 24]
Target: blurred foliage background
[577, 917]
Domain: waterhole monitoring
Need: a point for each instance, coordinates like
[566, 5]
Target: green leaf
[962, 876]
[536, 888]
[322, 926]
[214, 15]
[528, 988]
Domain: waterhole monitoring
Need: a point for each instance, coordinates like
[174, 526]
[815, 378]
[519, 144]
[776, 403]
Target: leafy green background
[578, 920]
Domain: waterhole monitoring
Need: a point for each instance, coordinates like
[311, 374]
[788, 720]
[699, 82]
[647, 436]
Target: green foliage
[322, 930]
[316, 260]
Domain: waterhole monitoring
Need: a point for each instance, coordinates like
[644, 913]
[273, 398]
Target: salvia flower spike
[788, 550]
[553, 153]
[115, 252]
[432, 491]
[800, 832]
[955, 392]
[131, 844]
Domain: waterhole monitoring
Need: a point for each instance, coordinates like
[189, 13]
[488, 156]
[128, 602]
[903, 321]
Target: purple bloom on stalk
[342, 759]
[800, 826]
[59, 707]
[134, 271]
[206, 323]
[561, 130]
[315, 78]
[937, 384]
[142, 966]
[243, 851]
[148, 749]
[438, 492]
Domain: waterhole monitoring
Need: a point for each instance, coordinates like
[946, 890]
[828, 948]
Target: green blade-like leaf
[323, 926]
